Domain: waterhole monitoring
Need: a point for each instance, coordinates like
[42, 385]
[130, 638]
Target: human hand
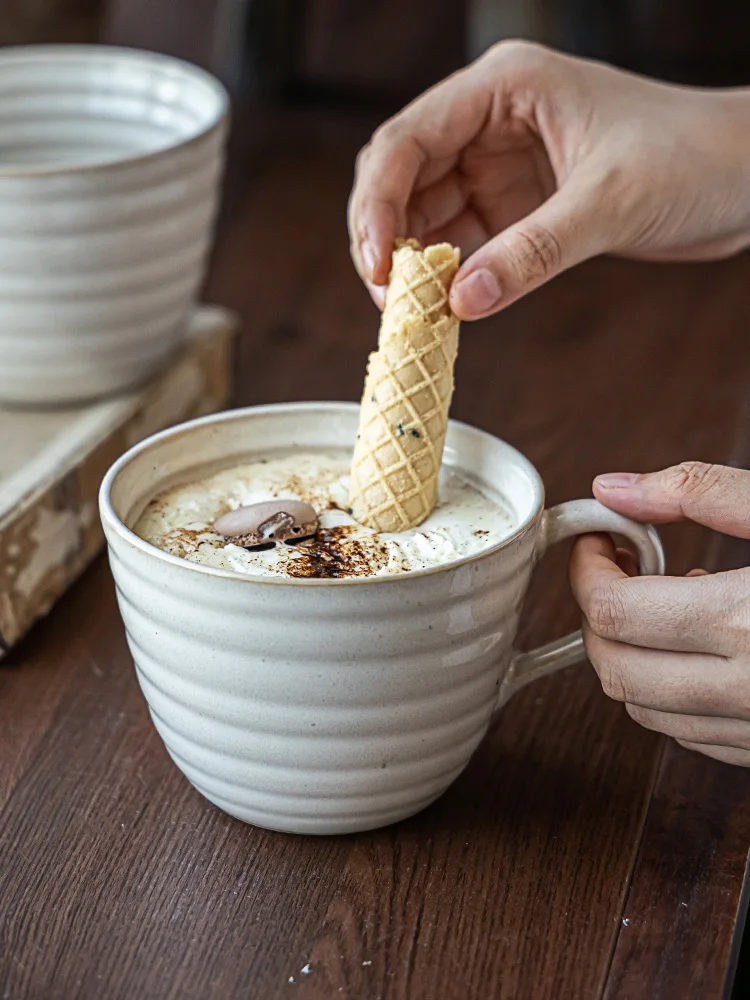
[675, 650]
[532, 161]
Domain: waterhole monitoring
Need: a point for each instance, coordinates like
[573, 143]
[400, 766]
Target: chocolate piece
[268, 522]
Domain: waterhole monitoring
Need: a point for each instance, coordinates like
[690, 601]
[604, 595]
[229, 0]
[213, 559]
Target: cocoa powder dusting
[332, 554]
[182, 542]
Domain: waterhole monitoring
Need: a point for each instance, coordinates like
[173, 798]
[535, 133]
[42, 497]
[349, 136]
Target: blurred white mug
[110, 166]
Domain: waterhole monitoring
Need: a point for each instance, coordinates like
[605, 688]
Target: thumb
[566, 229]
[714, 495]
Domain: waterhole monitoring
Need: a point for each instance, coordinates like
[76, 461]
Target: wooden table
[579, 856]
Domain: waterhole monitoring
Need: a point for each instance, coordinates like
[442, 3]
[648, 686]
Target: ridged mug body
[314, 706]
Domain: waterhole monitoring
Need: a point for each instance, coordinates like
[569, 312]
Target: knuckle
[606, 612]
[518, 51]
[536, 254]
[691, 478]
[363, 156]
[613, 676]
[387, 133]
[612, 668]
[384, 134]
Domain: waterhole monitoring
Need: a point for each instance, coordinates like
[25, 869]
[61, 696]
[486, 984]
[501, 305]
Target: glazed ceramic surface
[329, 706]
[110, 162]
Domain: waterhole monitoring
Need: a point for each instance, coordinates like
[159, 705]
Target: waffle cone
[404, 413]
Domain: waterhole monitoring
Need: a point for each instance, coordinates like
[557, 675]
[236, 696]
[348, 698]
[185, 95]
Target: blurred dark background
[385, 51]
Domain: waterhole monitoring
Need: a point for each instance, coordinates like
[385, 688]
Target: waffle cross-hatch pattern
[408, 389]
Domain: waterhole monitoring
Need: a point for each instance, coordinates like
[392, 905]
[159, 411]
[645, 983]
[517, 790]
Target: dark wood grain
[678, 922]
[118, 880]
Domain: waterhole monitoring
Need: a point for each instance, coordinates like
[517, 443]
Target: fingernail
[368, 258]
[616, 480]
[478, 292]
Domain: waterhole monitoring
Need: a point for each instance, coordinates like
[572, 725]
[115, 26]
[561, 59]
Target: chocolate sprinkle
[332, 554]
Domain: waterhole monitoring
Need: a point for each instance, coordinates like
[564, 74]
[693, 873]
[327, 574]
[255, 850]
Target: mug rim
[82, 54]
[111, 520]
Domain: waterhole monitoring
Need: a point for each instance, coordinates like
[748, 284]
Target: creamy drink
[181, 521]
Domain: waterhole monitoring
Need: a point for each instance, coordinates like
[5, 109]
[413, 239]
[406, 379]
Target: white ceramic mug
[329, 706]
[109, 179]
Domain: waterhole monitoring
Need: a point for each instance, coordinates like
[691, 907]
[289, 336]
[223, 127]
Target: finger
[593, 560]
[432, 129]
[627, 562]
[694, 728]
[728, 755]
[697, 572]
[664, 681]
[566, 229]
[698, 614]
[715, 495]
[371, 249]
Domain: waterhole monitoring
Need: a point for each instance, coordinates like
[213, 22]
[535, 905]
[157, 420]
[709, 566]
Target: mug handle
[577, 517]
